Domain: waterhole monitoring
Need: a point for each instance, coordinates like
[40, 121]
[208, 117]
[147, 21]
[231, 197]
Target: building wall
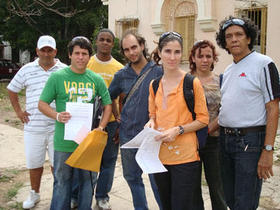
[141, 9]
[7, 50]
[149, 13]
[220, 10]
[273, 31]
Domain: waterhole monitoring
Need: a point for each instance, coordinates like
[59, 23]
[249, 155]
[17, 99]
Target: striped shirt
[33, 77]
[247, 86]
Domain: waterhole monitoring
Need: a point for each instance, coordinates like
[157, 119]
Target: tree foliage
[23, 21]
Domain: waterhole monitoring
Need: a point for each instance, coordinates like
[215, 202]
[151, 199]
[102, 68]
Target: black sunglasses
[235, 21]
[169, 33]
[81, 37]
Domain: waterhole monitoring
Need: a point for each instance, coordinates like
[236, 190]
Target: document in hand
[88, 154]
[147, 154]
[81, 116]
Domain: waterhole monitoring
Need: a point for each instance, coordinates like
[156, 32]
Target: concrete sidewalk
[12, 151]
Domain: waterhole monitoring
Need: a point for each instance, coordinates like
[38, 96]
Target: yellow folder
[88, 154]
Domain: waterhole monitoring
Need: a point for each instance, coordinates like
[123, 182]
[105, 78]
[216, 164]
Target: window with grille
[259, 17]
[185, 26]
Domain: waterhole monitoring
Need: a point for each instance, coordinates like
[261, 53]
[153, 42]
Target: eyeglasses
[235, 21]
[80, 37]
[170, 33]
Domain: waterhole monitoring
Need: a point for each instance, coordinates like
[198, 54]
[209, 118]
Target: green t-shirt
[67, 86]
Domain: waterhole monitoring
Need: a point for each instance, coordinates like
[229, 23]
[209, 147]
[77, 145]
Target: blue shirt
[135, 112]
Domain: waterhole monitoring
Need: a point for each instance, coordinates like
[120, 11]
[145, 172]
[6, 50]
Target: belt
[241, 131]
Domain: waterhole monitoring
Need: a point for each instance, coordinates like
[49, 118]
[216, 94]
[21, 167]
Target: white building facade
[196, 20]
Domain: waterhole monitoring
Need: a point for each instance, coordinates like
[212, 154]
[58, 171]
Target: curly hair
[249, 27]
[141, 41]
[201, 45]
[163, 40]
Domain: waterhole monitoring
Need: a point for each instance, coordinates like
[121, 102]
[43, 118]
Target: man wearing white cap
[38, 129]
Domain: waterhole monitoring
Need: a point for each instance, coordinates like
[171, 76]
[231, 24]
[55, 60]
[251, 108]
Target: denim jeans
[107, 170]
[210, 158]
[62, 187]
[108, 163]
[239, 162]
[133, 176]
[176, 186]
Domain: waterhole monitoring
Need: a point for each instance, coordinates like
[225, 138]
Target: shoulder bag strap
[137, 84]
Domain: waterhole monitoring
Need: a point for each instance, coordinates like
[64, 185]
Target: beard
[138, 60]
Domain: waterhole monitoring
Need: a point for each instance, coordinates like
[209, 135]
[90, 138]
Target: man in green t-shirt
[72, 84]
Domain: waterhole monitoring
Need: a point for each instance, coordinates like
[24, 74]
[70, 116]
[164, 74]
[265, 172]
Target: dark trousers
[209, 157]
[176, 186]
[239, 161]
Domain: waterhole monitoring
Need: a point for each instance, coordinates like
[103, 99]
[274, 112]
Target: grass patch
[8, 108]
[4, 91]
[5, 178]
[12, 192]
[8, 175]
[17, 205]
[13, 171]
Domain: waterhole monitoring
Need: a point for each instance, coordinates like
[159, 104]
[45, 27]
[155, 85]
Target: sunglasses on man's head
[170, 33]
[80, 37]
[234, 21]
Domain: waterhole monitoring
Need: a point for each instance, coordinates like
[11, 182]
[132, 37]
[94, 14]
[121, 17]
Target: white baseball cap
[46, 41]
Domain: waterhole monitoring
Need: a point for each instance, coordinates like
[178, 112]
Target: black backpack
[97, 112]
[189, 98]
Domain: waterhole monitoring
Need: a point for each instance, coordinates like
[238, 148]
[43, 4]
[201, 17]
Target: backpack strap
[189, 98]
[188, 93]
[187, 89]
[155, 84]
[221, 80]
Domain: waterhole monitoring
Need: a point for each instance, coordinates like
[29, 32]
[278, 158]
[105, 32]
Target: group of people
[240, 108]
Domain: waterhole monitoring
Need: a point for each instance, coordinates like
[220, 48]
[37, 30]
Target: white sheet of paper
[147, 154]
[81, 116]
[147, 157]
[82, 134]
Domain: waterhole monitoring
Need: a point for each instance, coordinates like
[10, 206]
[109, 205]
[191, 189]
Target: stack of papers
[147, 155]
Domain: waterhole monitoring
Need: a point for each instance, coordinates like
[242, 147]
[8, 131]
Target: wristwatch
[181, 130]
[268, 147]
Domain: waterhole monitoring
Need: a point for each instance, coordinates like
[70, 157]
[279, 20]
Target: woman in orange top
[169, 114]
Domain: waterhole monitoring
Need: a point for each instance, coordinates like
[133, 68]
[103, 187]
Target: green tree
[23, 21]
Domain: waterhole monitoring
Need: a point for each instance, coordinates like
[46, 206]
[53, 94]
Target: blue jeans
[108, 163]
[107, 170]
[62, 187]
[177, 185]
[133, 176]
[239, 162]
[210, 158]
